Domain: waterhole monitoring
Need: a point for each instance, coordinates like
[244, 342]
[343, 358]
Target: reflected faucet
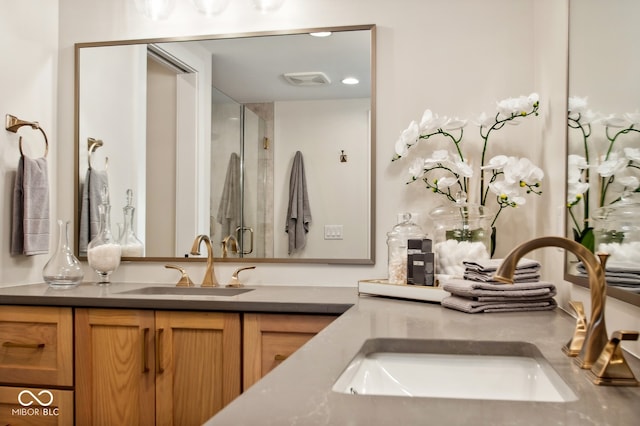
[229, 243]
[209, 279]
[596, 336]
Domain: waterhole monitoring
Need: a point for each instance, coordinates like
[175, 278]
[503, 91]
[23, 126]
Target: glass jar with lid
[617, 231]
[462, 231]
[397, 242]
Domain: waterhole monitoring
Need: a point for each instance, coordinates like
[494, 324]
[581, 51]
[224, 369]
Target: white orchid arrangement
[618, 171]
[448, 173]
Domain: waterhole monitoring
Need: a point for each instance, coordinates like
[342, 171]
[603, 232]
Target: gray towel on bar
[30, 227]
[229, 207]
[474, 289]
[94, 181]
[298, 211]
[473, 306]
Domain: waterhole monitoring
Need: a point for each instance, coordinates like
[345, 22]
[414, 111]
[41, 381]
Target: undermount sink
[188, 291]
[513, 371]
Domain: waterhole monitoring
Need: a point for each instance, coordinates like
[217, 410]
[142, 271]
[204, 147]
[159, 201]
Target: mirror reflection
[254, 140]
[604, 139]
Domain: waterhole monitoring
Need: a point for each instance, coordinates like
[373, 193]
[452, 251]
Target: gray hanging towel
[30, 226]
[298, 211]
[94, 181]
[229, 208]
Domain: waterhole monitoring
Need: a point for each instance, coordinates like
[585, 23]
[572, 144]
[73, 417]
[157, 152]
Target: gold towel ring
[13, 123]
[92, 145]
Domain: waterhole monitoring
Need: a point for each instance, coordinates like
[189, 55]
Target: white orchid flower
[508, 192]
[632, 154]
[576, 190]
[439, 156]
[633, 117]
[483, 120]
[517, 106]
[416, 168]
[577, 104]
[518, 170]
[577, 161]
[590, 117]
[631, 182]
[533, 99]
[454, 124]
[615, 164]
[445, 182]
[431, 122]
[408, 137]
[497, 162]
[462, 168]
[615, 121]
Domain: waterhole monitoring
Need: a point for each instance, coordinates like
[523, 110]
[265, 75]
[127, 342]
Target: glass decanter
[104, 252]
[63, 270]
[131, 245]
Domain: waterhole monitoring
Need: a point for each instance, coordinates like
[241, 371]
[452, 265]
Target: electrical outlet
[333, 232]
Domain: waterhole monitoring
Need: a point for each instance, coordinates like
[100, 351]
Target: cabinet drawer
[270, 338]
[36, 346]
[32, 406]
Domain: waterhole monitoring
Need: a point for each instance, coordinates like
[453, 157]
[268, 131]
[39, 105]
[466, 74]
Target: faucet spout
[229, 243]
[596, 336]
[209, 279]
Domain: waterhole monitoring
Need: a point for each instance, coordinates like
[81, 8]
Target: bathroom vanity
[154, 333]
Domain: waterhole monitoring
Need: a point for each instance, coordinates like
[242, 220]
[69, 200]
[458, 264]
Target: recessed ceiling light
[321, 34]
[350, 80]
[266, 6]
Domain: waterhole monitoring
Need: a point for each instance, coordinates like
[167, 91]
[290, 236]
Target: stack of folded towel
[627, 277]
[527, 270]
[479, 292]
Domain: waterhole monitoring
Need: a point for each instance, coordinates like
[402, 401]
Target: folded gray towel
[298, 211]
[492, 265]
[474, 306]
[523, 276]
[30, 227]
[94, 182]
[474, 289]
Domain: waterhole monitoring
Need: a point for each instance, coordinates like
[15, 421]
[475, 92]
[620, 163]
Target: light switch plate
[333, 232]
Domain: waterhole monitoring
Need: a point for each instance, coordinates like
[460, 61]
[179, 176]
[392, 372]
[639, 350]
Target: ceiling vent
[307, 78]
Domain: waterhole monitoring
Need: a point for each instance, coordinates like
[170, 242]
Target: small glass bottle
[397, 241]
[131, 245]
[104, 252]
[63, 270]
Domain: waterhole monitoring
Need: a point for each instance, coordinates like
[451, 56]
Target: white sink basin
[514, 371]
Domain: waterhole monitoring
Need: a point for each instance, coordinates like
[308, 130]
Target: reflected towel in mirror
[94, 181]
[298, 210]
[229, 207]
[30, 226]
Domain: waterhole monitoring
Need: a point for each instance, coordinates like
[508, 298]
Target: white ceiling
[251, 69]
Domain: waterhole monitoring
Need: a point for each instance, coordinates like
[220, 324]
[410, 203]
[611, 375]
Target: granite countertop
[298, 392]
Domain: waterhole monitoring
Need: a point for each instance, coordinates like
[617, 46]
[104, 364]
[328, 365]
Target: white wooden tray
[402, 291]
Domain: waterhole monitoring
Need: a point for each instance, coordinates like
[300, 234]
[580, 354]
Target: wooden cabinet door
[197, 365]
[114, 367]
[54, 407]
[36, 345]
[269, 339]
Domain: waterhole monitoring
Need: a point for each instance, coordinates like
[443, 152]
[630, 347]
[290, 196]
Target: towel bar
[13, 123]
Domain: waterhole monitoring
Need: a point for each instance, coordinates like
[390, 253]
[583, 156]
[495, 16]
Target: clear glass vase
[104, 252]
[63, 270]
[397, 244]
[131, 245]
[462, 232]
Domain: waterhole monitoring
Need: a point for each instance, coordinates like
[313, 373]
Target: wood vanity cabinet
[143, 367]
[268, 339]
[36, 365]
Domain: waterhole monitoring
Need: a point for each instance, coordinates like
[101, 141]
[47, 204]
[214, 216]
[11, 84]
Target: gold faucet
[595, 338]
[209, 279]
[229, 242]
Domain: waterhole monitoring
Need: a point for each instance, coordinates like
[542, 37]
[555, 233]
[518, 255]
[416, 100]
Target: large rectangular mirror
[224, 135]
[604, 101]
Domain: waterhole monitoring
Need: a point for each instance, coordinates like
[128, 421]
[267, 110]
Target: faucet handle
[611, 368]
[574, 345]
[235, 282]
[185, 281]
